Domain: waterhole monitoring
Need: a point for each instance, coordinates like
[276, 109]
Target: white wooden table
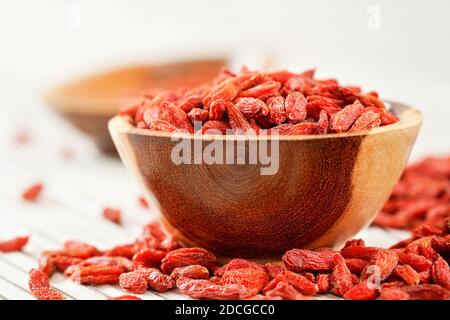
[75, 192]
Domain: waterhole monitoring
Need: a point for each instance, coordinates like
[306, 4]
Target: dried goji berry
[15, 244]
[284, 291]
[262, 91]
[112, 214]
[419, 263]
[63, 262]
[251, 107]
[277, 111]
[295, 106]
[366, 121]
[123, 262]
[80, 250]
[237, 120]
[133, 282]
[215, 127]
[408, 274]
[356, 265]
[193, 272]
[427, 292]
[299, 260]
[148, 258]
[341, 277]
[197, 114]
[362, 291]
[126, 250]
[359, 252]
[300, 283]
[95, 275]
[384, 260]
[39, 285]
[441, 273]
[323, 283]
[273, 269]
[205, 289]
[186, 257]
[143, 202]
[251, 278]
[33, 192]
[238, 264]
[342, 120]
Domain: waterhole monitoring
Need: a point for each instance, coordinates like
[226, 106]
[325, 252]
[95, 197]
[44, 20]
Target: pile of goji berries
[251, 102]
[416, 268]
[421, 196]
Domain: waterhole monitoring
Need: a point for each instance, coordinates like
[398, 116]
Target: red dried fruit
[193, 272]
[143, 202]
[299, 260]
[215, 127]
[385, 261]
[238, 264]
[427, 292]
[317, 104]
[126, 250]
[323, 283]
[217, 109]
[419, 263]
[158, 281]
[133, 282]
[277, 111]
[95, 275]
[175, 116]
[251, 278]
[302, 284]
[262, 91]
[341, 278]
[113, 215]
[12, 245]
[304, 128]
[295, 106]
[356, 265]
[205, 289]
[129, 110]
[366, 121]
[393, 294]
[125, 297]
[197, 114]
[192, 99]
[39, 285]
[358, 252]
[342, 120]
[408, 274]
[274, 269]
[123, 262]
[47, 264]
[251, 107]
[440, 272]
[362, 291]
[237, 120]
[80, 250]
[161, 125]
[63, 262]
[33, 192]
[185, 257]
[284, 291]
[148, 258]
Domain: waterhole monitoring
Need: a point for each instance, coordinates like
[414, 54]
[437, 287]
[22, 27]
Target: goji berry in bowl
[326, 185]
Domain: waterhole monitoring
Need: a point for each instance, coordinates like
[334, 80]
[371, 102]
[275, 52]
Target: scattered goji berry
[113, 215]
[341, 277]
[95, 275]
[185, 257]
[33, 192]
[299, 260]
[15, 244]
[362, 291]
[159, 282]
[193, 272]
[133, 282]
[441, 273]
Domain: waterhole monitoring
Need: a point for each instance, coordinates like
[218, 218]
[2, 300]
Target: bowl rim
[408, 117]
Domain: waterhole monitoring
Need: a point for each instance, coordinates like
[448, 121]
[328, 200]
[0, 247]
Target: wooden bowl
[90, 102]
[327, 187]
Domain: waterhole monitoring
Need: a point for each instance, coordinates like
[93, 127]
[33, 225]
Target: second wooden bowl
[327, 188]
[90, 102]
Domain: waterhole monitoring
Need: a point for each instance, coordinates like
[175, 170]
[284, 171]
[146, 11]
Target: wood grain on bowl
[327, 187]
[90, 102]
